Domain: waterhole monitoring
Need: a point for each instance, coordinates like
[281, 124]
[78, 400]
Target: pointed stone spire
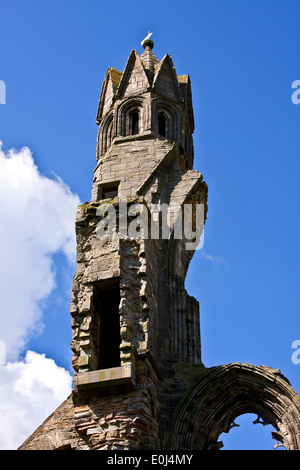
[148, 58]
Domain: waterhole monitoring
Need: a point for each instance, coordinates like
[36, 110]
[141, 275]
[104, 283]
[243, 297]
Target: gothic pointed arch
[220, 394]
[108, 91]
[134, 77]
[165, 81]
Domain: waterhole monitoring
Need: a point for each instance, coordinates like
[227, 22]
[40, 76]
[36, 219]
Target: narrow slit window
[109, 136]
[134, 122]
[162, 124]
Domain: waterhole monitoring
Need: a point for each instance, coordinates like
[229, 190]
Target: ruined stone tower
[139, 382]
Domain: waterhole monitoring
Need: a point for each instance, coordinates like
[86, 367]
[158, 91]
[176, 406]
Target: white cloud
[218, 261]
[30, 391]
[37, 220]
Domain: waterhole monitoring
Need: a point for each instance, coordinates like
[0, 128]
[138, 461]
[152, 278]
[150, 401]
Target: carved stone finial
[147, 43]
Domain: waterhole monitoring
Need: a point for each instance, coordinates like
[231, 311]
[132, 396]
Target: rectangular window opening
[108, 190]
[106, 305]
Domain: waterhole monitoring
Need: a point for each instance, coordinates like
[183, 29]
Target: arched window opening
[134, 122]
[105, 134]
[162, 124]
[107, 138]
[131, 117]
[248, 432]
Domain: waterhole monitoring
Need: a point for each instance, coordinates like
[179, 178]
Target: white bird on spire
[147, 37]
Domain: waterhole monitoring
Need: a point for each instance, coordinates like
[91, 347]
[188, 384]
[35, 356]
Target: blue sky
[242, 58]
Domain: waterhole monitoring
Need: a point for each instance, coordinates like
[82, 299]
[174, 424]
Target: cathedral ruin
[139, 381]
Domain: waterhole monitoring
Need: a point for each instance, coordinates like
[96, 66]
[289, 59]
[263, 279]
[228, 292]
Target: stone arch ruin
[214, 401]
[139, 380]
